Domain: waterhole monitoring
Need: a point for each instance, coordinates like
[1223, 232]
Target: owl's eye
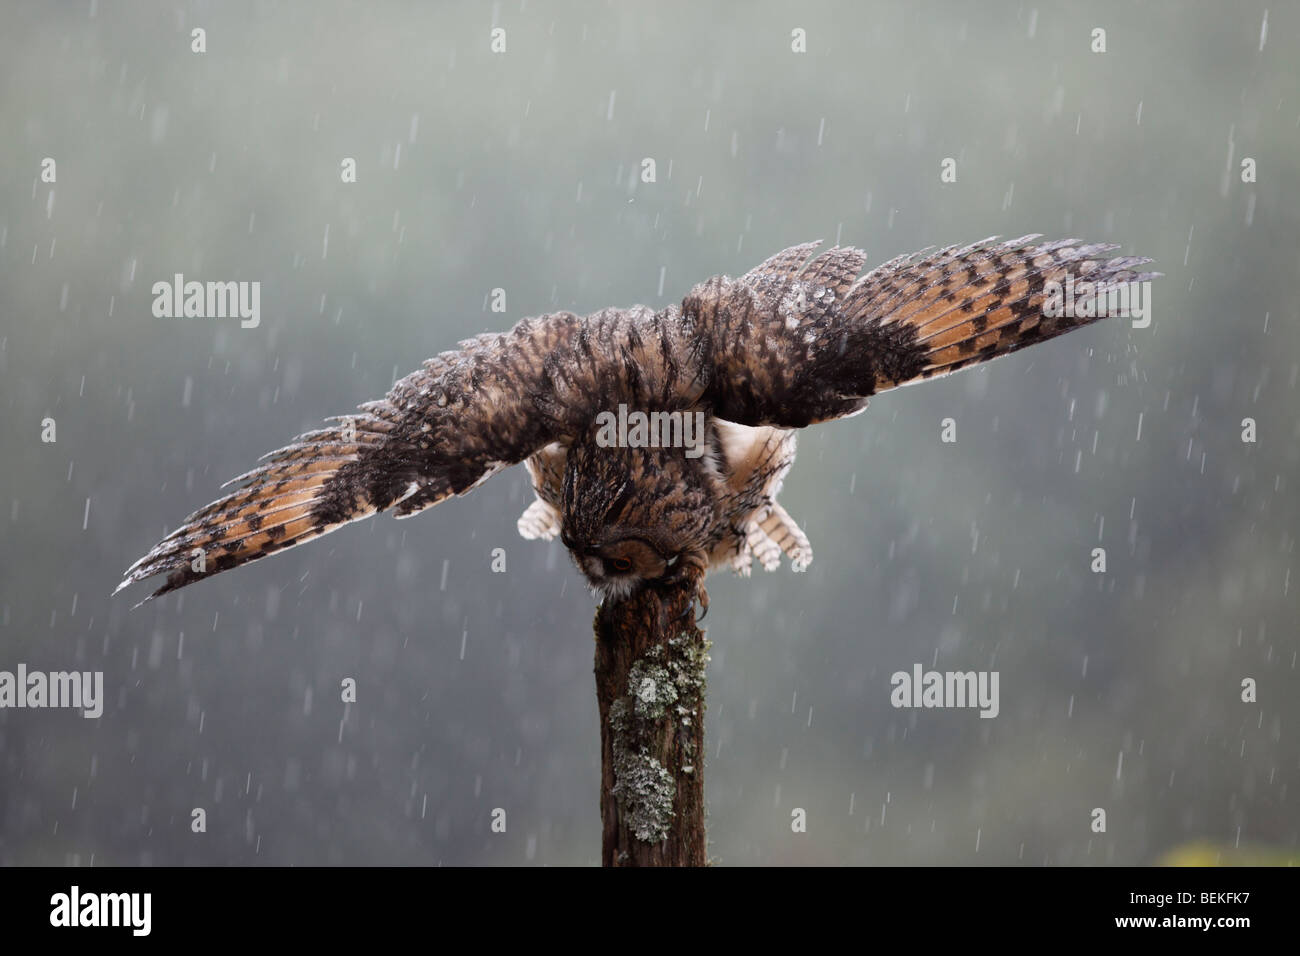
[621, 565]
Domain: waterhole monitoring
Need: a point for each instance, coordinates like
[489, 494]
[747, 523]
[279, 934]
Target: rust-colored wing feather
[439, 432]
[430, 437]
[799, 340]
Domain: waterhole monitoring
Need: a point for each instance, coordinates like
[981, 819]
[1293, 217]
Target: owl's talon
[702, 596]
[690, 567]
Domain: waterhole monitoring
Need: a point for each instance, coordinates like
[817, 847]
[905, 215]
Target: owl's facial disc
[619, 564]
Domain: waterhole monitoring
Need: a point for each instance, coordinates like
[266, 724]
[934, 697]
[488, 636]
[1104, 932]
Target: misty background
[521, 171]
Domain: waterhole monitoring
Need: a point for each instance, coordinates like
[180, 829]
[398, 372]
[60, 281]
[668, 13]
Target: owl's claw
[691, 567]
[702, 596]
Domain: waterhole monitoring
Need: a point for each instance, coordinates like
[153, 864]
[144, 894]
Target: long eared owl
[800, 339]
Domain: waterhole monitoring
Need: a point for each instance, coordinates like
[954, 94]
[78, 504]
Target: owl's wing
[799, 340]
[440, 431]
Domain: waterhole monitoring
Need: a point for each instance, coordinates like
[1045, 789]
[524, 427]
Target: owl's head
[620, 563]
[634, 516]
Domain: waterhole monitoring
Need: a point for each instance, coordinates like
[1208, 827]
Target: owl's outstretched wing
[799, 340]
[790, 343]
[440, 431]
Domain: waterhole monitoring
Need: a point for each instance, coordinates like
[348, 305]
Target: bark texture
[650, 679]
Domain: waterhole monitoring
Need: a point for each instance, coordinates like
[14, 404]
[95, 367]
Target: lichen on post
[650, 679]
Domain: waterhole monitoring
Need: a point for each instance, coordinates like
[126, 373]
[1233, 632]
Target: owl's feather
[279, 507]
[797, 340]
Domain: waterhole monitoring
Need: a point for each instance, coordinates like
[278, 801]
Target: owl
[656, 441]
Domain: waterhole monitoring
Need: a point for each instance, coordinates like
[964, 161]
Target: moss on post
[650, 680]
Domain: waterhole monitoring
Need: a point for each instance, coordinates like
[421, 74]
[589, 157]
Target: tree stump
[650, 680]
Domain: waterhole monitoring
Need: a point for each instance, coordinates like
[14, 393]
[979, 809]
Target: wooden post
[650, 679]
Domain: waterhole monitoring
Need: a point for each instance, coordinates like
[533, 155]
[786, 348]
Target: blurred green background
[519, 171]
